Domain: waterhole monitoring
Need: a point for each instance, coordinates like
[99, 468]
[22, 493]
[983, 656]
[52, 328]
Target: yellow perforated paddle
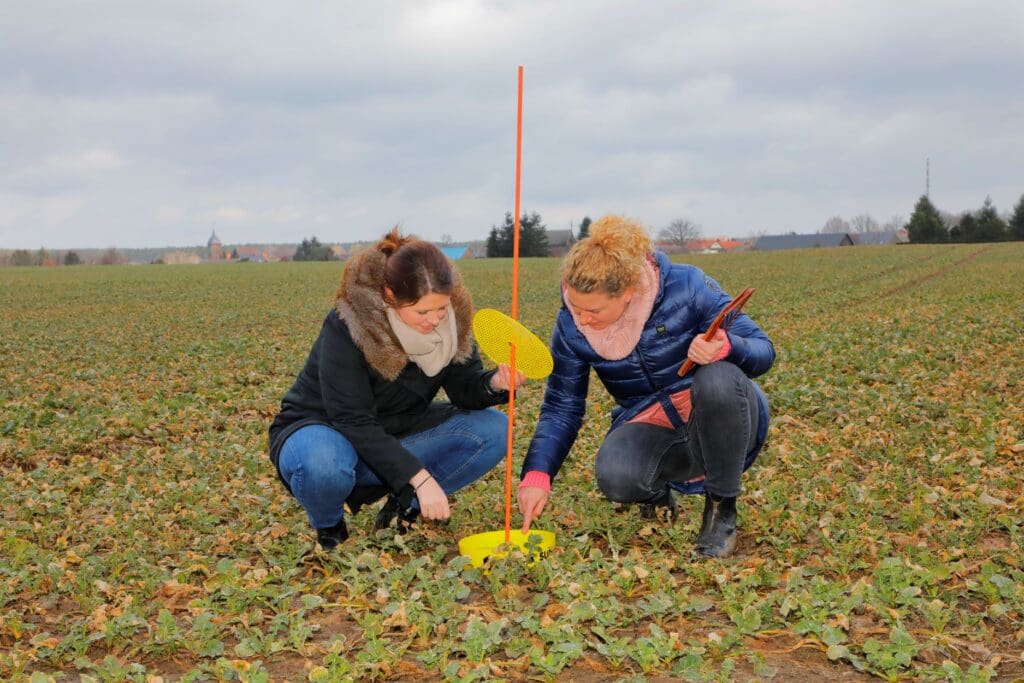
[495, 334]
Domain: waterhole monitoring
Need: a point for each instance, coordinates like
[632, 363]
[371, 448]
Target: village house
[455, 253]
[715, 245]
[251, 253]
[794, 241]
[559, 242]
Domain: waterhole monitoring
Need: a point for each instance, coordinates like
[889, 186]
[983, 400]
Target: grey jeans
[637, 461]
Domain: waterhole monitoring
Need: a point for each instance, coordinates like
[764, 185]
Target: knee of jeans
[718, 384]
[324, 474]
[616, 480]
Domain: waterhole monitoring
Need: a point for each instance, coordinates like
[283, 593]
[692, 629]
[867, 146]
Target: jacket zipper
[643, 366]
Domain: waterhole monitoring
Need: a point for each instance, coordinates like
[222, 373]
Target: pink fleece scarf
[618, 340]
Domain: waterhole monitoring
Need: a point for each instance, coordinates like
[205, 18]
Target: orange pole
[515, 309]
[519, 175]
[508, 449]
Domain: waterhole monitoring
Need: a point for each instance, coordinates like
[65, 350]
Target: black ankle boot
[394, 509]
[717, 536]
[668, 501]
[331, 537]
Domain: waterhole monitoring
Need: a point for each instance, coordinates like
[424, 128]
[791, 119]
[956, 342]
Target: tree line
[928, 225]
[24, 257]
[862, 223]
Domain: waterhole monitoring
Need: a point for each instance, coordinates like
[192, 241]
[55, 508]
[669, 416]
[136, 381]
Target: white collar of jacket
[360, 304]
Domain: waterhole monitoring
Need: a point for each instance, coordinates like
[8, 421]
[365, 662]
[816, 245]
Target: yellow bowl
[479, 547]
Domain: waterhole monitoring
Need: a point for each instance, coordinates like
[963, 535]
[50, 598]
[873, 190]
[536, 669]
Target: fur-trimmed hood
[360, 304]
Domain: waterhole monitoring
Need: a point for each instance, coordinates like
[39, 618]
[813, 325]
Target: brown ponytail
[414, 267]
[391, 242]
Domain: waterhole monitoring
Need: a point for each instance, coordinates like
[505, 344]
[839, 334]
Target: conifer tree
[925, 224]
[584, 228]
[1017, 221]
[533, 237]
[990, 227]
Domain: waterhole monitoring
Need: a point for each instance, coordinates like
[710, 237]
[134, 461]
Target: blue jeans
[638, 461]
[322, 467]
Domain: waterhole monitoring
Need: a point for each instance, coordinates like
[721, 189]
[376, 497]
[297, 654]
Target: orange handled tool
[722, 321]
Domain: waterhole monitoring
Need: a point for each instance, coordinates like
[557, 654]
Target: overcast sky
[151, 123]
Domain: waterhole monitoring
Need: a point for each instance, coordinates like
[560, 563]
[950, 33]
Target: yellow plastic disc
[481, 547]
[495, 333]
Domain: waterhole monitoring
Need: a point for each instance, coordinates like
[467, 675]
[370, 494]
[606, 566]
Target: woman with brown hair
[361, 421]
[634, 317]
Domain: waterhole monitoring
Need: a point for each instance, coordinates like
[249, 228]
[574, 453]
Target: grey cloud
[280, 120]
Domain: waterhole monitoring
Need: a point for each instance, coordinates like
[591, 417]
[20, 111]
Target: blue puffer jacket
[685, 306]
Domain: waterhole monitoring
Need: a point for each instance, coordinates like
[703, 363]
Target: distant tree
[863, 223]
[680, 231]
[533, 237]
[991, 228]
[111, 257]
[585, 227]
[446, 239]
[312, 250]
[894, 223]
[835, 224]
[21, 257]
[71, 259]
[1016, 222]
[494, 244]
[40, 258]
[925, 225]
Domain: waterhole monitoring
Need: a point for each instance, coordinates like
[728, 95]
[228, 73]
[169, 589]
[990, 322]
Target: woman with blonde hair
[361, 421]
[634, 317]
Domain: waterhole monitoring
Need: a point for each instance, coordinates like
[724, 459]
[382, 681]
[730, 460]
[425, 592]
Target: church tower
[215, 246]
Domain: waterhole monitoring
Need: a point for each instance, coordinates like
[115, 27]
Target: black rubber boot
[331, 537]
[668, 502]
[717, 536]
[394, 510]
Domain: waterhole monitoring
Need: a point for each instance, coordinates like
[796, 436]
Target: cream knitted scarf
[432, 351]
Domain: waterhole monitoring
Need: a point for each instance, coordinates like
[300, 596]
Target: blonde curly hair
[610, 258]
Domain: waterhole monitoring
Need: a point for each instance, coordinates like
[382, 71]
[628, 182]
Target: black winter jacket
[359, 381]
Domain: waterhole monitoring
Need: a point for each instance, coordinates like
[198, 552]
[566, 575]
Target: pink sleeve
[537, 479]
[726, 348]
